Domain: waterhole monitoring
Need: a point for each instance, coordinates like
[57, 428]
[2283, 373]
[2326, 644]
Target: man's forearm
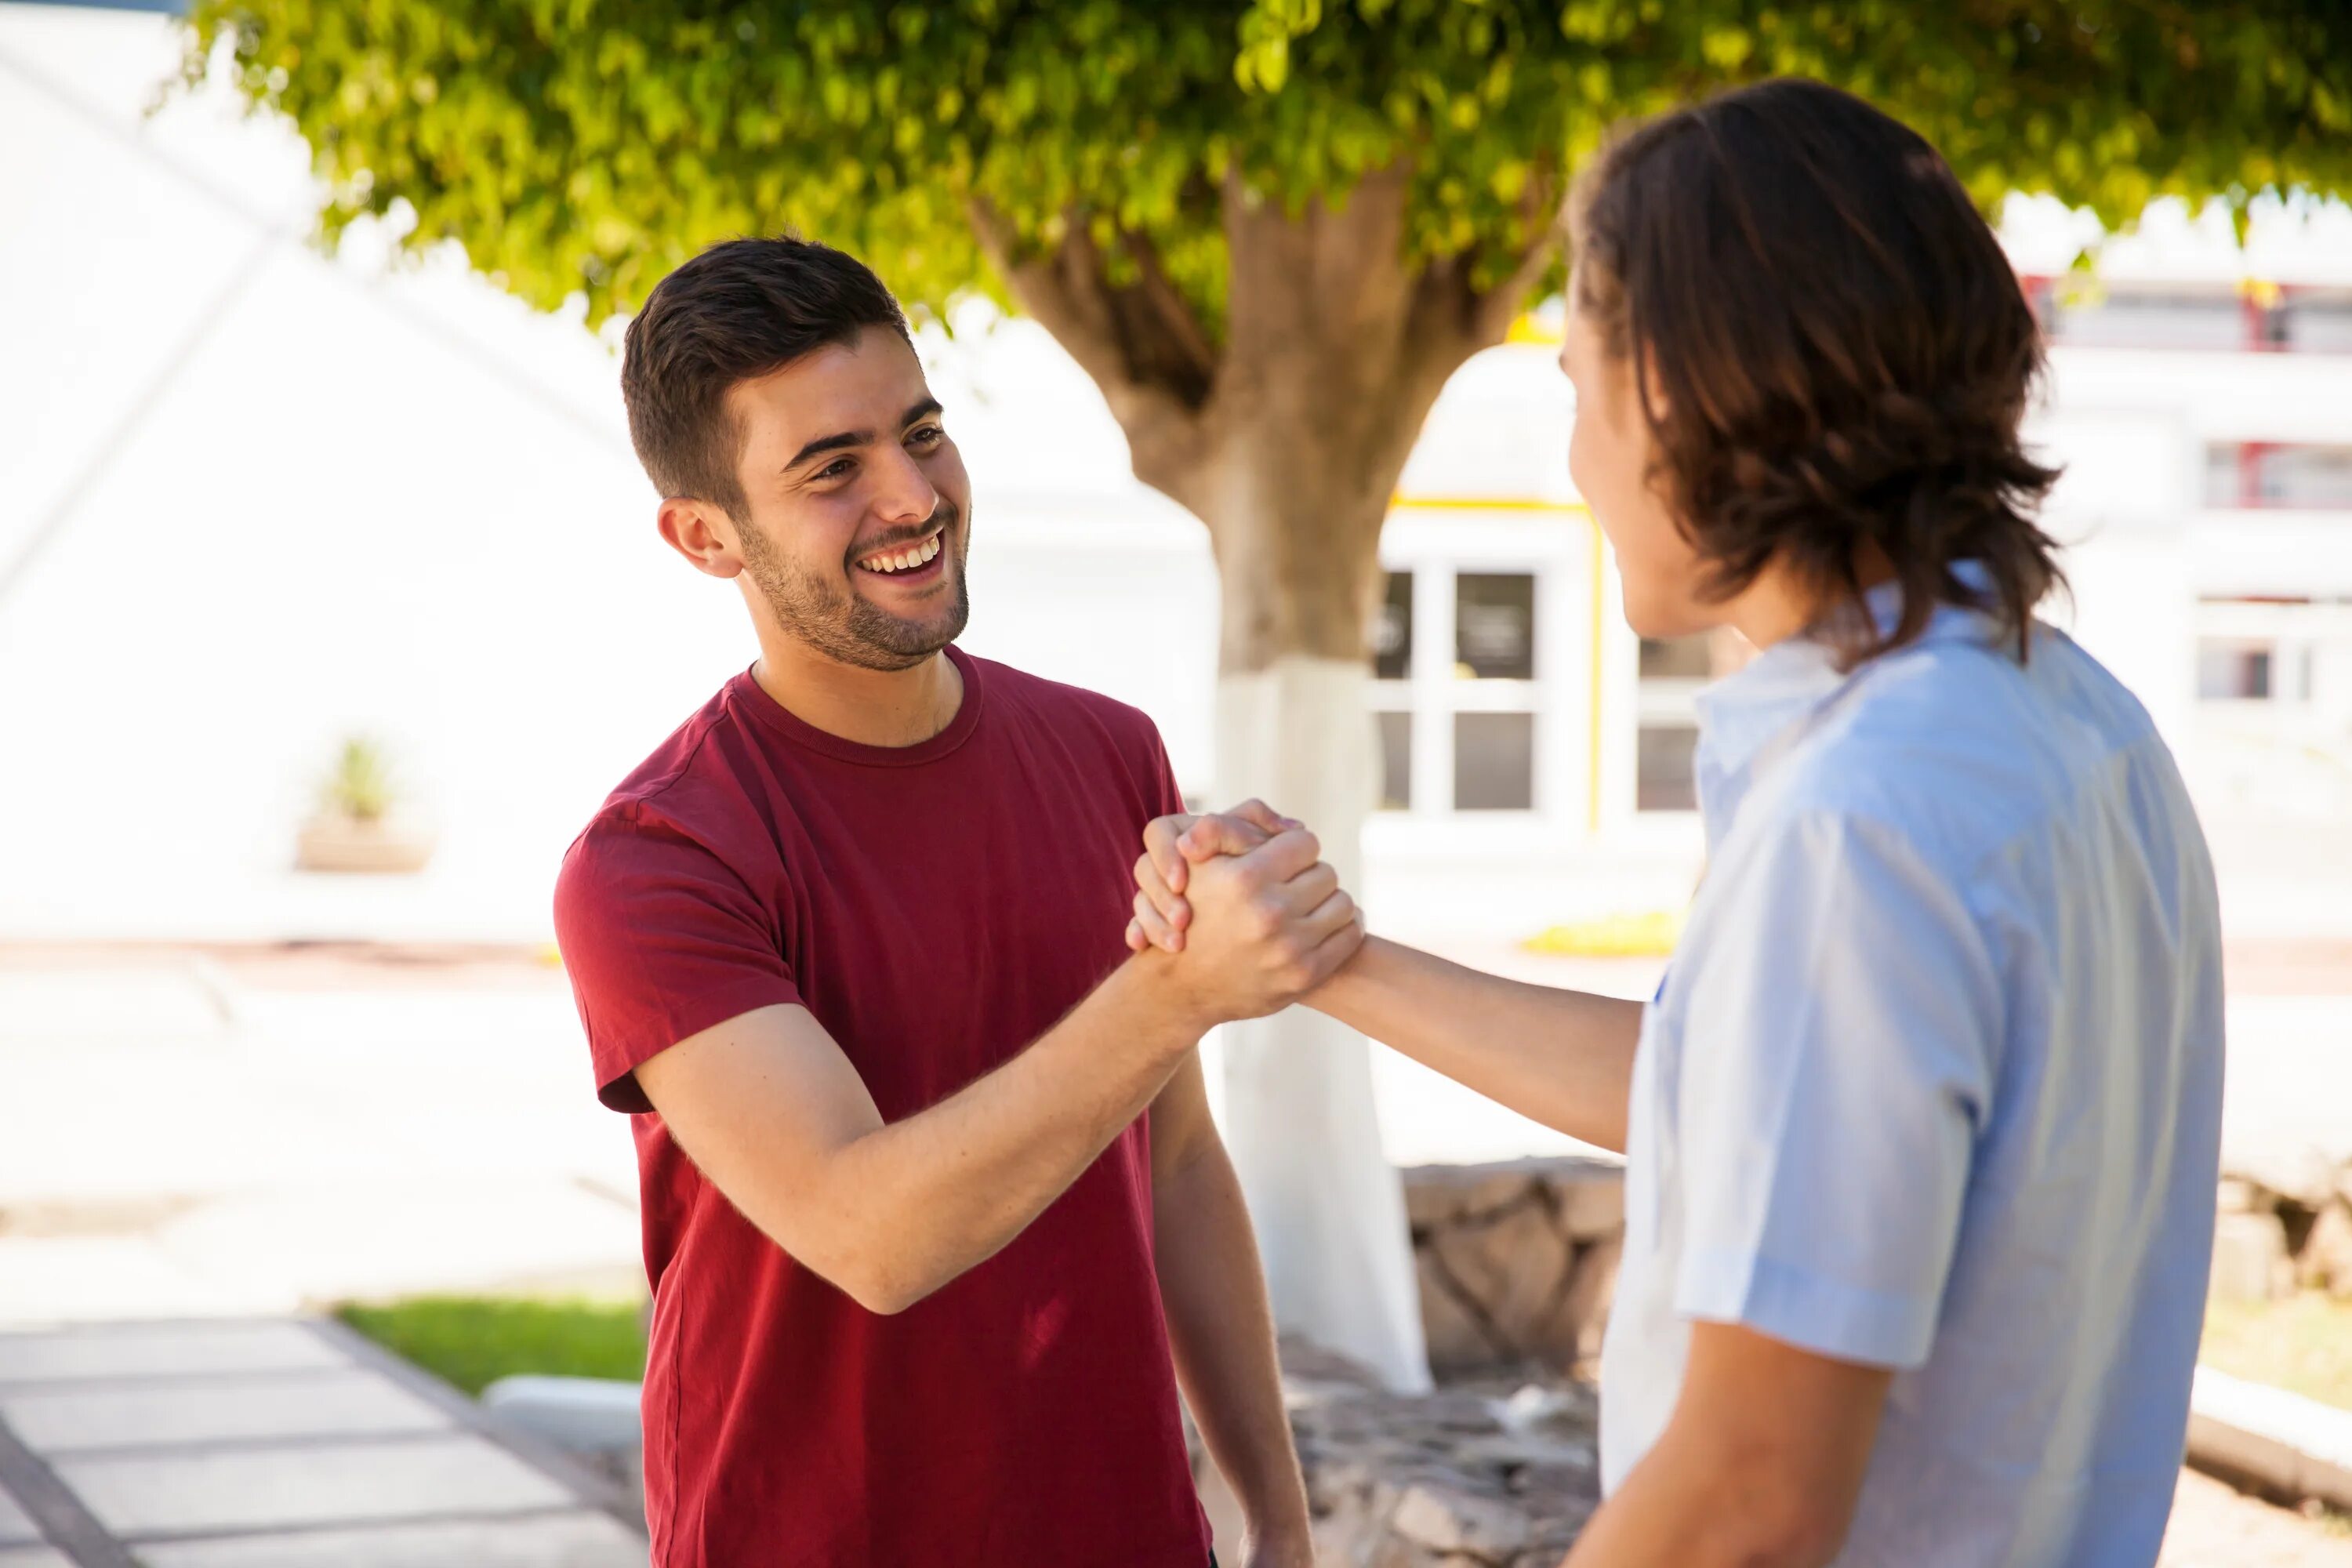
[1563, 1057]
[1679, 1509]
[1220, 1332]
[940, 1191]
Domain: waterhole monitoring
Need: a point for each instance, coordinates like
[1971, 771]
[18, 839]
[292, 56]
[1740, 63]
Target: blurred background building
[256, 501]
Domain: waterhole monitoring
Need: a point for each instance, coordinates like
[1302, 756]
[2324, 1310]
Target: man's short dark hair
[742, 308]
[1831, 350]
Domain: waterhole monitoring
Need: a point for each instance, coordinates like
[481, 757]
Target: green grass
[2303, 1343]
[474, 1340]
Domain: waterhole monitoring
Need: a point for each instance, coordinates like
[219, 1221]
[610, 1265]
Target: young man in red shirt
[929, 1186]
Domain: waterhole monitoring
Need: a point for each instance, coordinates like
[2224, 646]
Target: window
[1495, 626]
[2266, 474]
[1393, 632]
[2315, 320]
[1677, 658]
[1396, 761]
[1673, 672]
[2229, 672]
[1494, 761]
[1665, 777]
[2123, 316]
[1454, 695]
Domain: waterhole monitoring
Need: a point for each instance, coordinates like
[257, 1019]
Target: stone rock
[2238, 1195]
[1515, 1260]
[1449, 1520]
[2302, 1173]
[2326, 1261]
[1440, 1480]
[2249, 1257]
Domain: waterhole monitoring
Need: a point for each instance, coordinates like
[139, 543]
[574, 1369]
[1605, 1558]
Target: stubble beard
[843, 625]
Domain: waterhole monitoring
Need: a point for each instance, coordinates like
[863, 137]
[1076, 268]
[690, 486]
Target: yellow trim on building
[1485, 503]
[1593, 706]
[1526, 330]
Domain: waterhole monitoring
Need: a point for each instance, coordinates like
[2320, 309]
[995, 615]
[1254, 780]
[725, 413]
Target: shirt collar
[1742, 714]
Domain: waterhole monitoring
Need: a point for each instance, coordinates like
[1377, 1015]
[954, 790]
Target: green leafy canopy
[588, 146]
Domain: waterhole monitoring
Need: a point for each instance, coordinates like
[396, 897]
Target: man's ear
[701, 533]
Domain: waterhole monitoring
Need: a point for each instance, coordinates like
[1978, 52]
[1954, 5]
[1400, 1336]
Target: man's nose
[905, 493]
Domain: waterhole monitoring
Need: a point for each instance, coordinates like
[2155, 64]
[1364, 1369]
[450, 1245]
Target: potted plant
[357, 826]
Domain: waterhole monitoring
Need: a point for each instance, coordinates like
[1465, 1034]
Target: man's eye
[928, 436]
[834, 470]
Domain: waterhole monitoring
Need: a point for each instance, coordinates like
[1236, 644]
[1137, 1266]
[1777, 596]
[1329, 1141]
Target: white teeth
[904, 560]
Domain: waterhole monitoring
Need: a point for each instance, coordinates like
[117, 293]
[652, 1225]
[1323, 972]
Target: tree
[1269, 231]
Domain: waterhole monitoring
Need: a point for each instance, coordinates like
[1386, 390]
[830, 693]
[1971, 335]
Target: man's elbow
[884, 1286]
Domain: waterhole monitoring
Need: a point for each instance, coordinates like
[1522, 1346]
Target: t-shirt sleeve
[1840, 1032]
[1160, 776]
[661, 941]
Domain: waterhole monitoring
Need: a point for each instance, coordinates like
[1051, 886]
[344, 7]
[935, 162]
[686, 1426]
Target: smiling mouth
[906, 558]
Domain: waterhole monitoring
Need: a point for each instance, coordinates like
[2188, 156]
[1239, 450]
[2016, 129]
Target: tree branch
[1174, 312]
[1155, 376]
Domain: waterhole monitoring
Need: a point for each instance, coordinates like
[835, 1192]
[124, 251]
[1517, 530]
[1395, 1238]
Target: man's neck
[1777, 607]
[871, 707]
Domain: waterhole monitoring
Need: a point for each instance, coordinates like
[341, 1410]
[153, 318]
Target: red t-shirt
[936, 907]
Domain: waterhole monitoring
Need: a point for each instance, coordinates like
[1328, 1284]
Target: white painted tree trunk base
[1299, 1116]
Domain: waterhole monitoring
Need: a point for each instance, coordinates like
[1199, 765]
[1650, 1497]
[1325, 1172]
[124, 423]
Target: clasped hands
[1242, 905]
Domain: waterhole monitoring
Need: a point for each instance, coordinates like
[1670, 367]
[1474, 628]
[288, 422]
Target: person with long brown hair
[1922, 1127]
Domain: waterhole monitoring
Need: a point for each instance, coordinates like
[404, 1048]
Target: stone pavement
[274, 1443]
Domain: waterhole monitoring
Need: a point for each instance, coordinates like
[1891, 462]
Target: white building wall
[289, 498]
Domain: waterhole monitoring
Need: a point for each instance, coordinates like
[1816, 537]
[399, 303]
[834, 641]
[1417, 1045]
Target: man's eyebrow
[824, 444]
[850, 439]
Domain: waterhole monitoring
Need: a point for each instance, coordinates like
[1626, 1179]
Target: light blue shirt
[1935, 1084]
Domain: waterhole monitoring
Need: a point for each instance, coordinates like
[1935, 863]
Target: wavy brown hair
[1831, 352]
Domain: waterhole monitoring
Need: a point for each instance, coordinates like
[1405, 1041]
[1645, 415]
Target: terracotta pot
[336, 841]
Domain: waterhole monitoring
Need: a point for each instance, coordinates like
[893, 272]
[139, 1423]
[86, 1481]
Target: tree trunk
[1299, 1118]
[1298, 564]
[1287, 439]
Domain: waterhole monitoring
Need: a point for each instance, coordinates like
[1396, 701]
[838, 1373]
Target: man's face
[858, 511]
[1610, 453]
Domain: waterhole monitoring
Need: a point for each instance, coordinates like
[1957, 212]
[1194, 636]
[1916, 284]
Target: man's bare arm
[1220, 1326]
[1563, 1057]
[772, 1113]
[1759, 1466]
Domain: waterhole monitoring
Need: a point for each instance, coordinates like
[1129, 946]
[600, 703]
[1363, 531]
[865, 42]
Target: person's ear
[701, 533]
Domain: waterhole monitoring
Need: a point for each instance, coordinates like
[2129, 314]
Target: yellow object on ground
[1651, 935]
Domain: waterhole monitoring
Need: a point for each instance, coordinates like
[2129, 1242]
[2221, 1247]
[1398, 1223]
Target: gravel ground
[2216, 1526]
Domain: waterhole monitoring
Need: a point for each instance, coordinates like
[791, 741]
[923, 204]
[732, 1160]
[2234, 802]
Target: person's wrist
[1288, 1542]
[1344, 984]
[1171, 997]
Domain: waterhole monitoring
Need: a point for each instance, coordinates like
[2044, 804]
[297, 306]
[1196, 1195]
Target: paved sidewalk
[274, 1443]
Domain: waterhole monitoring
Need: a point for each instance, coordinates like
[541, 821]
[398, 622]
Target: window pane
[1663, 779]
[1396, 761]
[1678, 659]
[1392, 631]
[1494, 761]
[1495, 626]
[2155, 318]
[2233, 672]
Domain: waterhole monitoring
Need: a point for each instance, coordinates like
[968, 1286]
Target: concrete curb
[2269, 1440]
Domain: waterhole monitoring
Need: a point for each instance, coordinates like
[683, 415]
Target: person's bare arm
[772, 1113]
[1759, 1466]
[1220, 1326]
[1563, 1057]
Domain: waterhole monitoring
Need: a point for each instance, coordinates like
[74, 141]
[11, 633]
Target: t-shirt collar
[1744, 713]
[752, 698]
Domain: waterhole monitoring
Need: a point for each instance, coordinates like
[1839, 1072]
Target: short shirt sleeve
[661, 941]
[1839, 1037]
